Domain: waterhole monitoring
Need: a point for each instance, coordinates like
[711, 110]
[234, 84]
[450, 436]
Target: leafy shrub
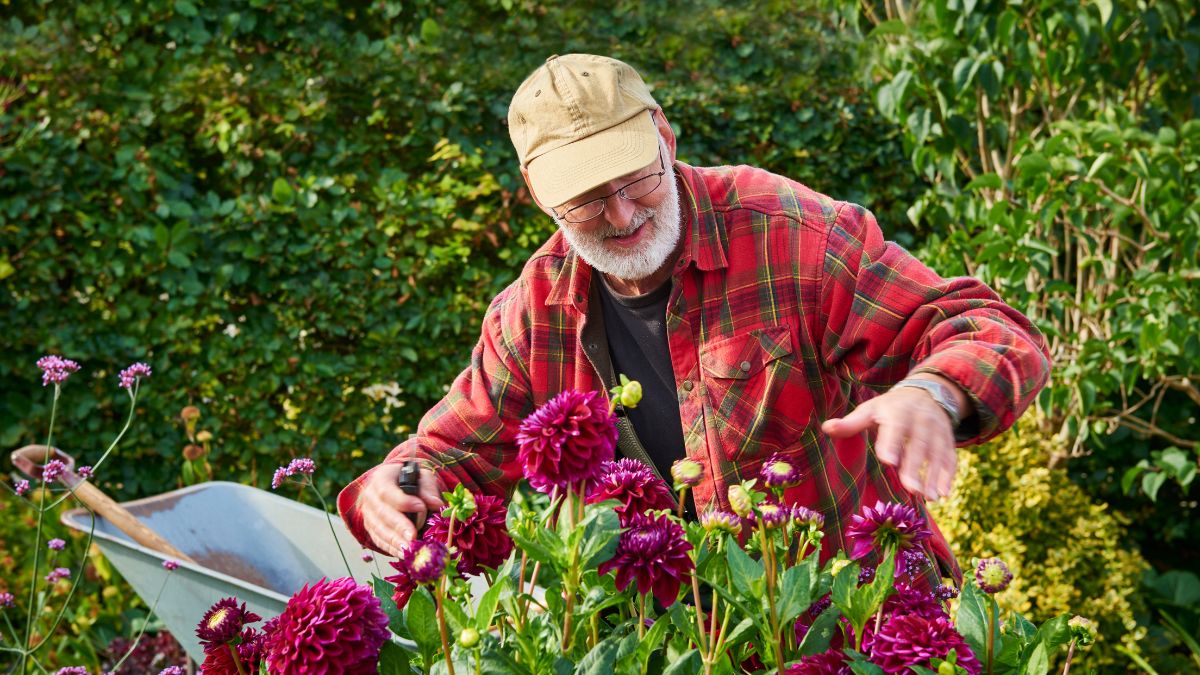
[1067, 552]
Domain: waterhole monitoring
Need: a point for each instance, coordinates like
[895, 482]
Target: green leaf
[394, 660]
[1151, 482]
[822, 630]
[892, 27]
[740, 633]
[185, 8]
[430, 31]
[1129, 477]
[601, 659]
[989, 181]
[383, 591]
[420, 615]
[487, 605]
[1033, 164]
[281, 192]
[743, 570]
[601, 529]
[972, 619]
[688, 663]
[1106, 10]
[1038, 663]
[1099, 163]
[796, 590]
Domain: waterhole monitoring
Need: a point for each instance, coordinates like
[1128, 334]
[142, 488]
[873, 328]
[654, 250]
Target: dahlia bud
[946, 668]
[687, 472]
[204, 436]
[468, 638]
[993, 575]
[777, 472]
[774, 515]
[631, 394]
[720, 521]
[740, 500]
[192, 452]
[1083, 630]
[461, 503]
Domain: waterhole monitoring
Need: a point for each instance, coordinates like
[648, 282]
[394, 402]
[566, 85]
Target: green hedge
[280, 205]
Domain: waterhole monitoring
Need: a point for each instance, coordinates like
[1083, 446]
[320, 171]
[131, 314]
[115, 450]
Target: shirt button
[745, 366]
[687, 385]
[592, 346]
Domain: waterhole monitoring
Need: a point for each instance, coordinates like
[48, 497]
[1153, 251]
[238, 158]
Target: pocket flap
[741, 356]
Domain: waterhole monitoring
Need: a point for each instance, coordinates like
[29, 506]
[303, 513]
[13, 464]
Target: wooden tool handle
[125, 521]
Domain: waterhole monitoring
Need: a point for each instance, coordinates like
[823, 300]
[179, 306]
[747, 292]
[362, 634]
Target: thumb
[430, 491]
[858, 421]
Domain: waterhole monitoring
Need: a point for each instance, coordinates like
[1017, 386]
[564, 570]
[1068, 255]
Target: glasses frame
[620, 192]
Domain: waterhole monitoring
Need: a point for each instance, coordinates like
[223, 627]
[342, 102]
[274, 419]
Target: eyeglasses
[634, 190]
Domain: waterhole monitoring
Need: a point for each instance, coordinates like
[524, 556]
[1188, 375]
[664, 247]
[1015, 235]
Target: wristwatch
[941, 395]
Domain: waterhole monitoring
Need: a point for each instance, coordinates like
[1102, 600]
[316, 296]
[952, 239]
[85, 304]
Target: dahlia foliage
[591, 567]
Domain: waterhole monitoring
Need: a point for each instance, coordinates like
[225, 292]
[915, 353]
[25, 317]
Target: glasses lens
[584, 211]
[641, 187]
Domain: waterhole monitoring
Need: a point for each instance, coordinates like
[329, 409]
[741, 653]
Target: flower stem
[1070, 654]
[699, 614]
[163, 587]
[441, 617]
[992, 633]
[332, 530]
[641, 616]
[237, 660]
[32, 611]
[768, 557]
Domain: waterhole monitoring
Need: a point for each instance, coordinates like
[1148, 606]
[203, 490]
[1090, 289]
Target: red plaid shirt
[788, 308]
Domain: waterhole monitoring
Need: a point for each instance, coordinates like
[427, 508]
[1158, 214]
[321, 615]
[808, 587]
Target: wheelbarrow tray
[256, 545]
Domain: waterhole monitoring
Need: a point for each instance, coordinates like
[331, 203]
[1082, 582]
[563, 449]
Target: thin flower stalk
[441, 617]
[153, 607]
[332, 531]
[34, 608]
[773, 614]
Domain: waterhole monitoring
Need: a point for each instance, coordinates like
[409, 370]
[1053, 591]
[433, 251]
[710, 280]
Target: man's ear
[665, 131]
[545, 209]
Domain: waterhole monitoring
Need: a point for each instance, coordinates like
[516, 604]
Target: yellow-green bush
[1067, 553]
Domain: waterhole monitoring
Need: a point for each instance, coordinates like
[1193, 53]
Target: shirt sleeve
[886, 315]
[470, 435]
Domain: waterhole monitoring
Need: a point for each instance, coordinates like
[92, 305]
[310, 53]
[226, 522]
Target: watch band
[940, 394]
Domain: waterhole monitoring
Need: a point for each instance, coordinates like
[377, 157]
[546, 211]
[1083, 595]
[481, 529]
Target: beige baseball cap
[580, 121]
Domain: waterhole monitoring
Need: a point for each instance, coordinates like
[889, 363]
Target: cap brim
[567, 172]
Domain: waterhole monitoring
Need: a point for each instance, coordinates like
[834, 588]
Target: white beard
[650, 255]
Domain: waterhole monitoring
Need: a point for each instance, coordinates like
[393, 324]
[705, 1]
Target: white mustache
[638, 219]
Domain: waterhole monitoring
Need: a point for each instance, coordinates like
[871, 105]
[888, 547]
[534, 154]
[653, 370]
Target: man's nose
[619, 211]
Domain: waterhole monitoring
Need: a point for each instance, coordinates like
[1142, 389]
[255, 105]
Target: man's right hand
[383, 506]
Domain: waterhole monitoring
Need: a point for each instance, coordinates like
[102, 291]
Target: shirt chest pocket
[744, 376]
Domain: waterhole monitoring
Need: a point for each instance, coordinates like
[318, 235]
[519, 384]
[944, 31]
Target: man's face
[631, 239]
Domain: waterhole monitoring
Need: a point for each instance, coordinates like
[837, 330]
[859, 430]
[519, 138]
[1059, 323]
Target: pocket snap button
[745, 366]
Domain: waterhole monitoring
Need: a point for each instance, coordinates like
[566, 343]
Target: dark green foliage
[332, 183]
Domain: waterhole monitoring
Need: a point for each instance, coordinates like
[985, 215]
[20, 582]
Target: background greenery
[297, 212]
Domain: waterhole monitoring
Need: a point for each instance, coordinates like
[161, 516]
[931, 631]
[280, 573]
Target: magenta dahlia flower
[993, 575]
[831, 662]
[133, 374]
[480, 540]
[634, 485]
[908, 600]
[654, 552]
[403, 584]
[56, 369]
[886, 526]
[331, 627]
[218, 659]
[778, 472]
[223, 622]
[565, 442]
[913, 640]
[421, 562]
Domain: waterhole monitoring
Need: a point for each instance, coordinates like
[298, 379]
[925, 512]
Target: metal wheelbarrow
[245, 542]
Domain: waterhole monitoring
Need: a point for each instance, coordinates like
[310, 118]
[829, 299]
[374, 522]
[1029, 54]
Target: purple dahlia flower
[218, 659]
[223, 622]
[778, 472]
[481, 539]
[886, 526]
[634, 485]
[831, 662]
[565, 442]
[908, 600]
[993, 575]
[913, 640]
[422, 561]
[654, 552]
[332, 626]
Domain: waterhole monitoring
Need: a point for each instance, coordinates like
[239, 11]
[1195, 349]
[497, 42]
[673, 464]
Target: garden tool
[410, 479]
[30, 461]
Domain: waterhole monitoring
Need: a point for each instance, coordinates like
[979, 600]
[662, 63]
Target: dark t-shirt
[637, 341]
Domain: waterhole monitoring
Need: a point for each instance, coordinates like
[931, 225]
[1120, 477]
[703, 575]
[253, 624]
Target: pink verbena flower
[330, 627]
[480, 540]
[911, 562]
[7, 600]
[170, 565]
[913, 640]
[367, 556]
[778, 472]
[56, 369]
[300, 465]
[830, 662]
[886, 526]
[58, 573]
[53, 470]
[993, 575]
[72, 670]
[133, 373]
[56, 544]
[634, 485]
[223, 622]
[21, 487]
[565, 442]
[84, 472]
[171, 670]
[654, 552]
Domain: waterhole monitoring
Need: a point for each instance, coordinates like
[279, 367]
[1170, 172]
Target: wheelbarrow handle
[125, 521]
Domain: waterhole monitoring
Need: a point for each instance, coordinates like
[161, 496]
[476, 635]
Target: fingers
[384, 506]
[431, 490]
[859, 420]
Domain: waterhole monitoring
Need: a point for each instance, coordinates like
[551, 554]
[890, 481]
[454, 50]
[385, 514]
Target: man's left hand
[912, 433]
